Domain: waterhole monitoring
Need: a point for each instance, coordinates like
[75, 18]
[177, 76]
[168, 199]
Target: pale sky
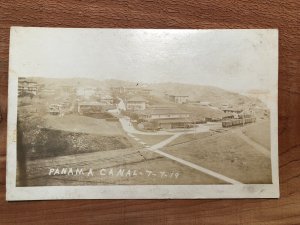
[236, 60]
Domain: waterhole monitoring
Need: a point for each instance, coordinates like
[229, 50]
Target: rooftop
[175, 120]
[136, 99]
[163, 111]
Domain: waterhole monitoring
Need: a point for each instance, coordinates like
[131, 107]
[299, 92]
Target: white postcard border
[14, 193]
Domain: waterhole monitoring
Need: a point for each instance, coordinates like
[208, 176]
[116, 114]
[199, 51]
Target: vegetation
[226, 154]
[260, 133]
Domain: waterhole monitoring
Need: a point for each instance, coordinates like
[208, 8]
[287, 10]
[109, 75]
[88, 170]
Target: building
[130, 90]
[181, 99]
[55, 109]
[173, 123]
[205, 103]
[136, 104]
[137, 91]
[166, 117]
[107, 99]
[68, 89]
[117, 90]
[27, 87]
[89, 107]
[164, 112]
[231, 110]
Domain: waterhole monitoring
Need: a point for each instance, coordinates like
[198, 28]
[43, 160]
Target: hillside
[216, 96]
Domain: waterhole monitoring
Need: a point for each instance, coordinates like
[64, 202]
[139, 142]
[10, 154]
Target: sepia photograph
[142, 113]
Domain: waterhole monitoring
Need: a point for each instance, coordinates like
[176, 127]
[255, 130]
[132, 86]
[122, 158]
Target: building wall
[136, 105]
[165, 125]
[181, 99]
[178, 99]
[27, 87]
[166, 116]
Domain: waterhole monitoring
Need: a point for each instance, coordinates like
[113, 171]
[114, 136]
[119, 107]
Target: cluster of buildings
[135, 100]
[171, 116]
[154, 117]
[81, 100]
[136, 104]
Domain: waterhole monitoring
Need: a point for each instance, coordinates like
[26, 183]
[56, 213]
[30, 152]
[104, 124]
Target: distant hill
[80, 82]
[216, 96]
[58, 82]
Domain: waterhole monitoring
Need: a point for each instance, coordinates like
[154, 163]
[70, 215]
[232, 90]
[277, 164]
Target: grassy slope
[152, 139]
[260, 133]
[188, 138]
[83, 124]
[226, 154]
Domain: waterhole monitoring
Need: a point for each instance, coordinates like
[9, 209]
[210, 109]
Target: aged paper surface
[142, 113]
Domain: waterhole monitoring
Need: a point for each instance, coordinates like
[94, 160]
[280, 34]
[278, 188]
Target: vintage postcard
[142, 114]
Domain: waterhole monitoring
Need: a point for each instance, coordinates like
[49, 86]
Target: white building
[107, 99]
[179, 98]
[27, 87]
[136, 104]
[164, 112]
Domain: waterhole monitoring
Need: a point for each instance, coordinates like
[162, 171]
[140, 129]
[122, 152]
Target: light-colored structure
[164, 113]
[136, 104]
[131, 90]
[181, 99]
[107, 99]
[231, 110]
[166, 117]
[204, 103]
[55, 109]
[27, 87]
[89, 107]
